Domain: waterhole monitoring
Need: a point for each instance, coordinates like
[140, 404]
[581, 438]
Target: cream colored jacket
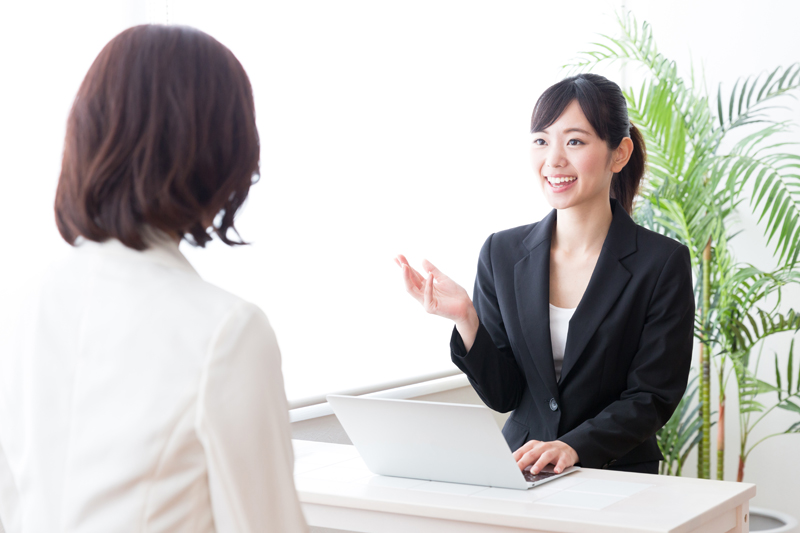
[139, 398]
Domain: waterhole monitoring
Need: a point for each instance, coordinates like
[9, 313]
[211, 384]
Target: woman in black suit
[581, 323]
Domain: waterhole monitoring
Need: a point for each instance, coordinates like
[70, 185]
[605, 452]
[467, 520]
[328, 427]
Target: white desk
[338, 491]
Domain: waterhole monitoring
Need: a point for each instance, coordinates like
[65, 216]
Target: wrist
[469, 320]
[467, 327]
[571, 451]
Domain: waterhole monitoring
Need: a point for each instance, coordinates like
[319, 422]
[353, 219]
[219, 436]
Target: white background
[386, 128]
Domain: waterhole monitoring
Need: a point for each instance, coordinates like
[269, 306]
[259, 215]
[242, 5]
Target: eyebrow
[569, 130]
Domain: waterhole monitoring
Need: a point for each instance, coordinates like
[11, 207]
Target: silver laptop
[434, 441]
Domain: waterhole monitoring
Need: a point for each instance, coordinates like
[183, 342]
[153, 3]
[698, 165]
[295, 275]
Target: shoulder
[509, 244]
[659, 258]
[160, 285]
[228, 318]
[657, 247]
[514, 236]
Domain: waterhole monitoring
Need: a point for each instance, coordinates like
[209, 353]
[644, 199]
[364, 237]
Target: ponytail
[625, 183]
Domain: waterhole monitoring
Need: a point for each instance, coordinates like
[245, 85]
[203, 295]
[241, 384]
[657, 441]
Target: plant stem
[740, 475]
[721, 419]
[704, 456]
[743, 456]
[721, 437]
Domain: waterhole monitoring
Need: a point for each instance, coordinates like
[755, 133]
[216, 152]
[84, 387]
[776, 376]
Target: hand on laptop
[540, 454]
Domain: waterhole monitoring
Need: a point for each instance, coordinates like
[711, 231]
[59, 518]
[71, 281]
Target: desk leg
[742, 519]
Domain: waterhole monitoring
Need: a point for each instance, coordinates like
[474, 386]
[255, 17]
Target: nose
[556, 157]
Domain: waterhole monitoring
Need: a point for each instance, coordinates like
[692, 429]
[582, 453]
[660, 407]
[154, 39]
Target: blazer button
[553, 404]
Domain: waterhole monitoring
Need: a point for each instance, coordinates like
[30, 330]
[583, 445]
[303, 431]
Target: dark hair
[604, 105]
[162, 133]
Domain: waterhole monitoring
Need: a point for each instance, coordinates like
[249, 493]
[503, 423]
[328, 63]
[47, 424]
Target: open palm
[437, 293]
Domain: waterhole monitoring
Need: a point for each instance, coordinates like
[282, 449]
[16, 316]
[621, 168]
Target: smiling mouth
[561, 181]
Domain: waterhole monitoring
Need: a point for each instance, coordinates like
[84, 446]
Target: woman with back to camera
[140, 397]
[581, 323]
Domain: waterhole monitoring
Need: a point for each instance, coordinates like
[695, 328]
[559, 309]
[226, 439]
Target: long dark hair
[162, 134]
[604, 106]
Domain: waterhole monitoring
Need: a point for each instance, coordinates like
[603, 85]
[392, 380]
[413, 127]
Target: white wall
[386, 128]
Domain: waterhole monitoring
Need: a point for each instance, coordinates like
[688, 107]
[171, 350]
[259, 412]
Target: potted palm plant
[694, 189]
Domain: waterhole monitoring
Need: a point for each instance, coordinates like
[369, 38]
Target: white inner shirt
[559, 327]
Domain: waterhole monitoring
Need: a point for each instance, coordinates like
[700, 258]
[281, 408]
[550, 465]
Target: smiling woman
[581, 132]
[581, 323]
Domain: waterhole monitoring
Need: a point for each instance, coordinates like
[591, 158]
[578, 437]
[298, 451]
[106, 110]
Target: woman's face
[573, 164]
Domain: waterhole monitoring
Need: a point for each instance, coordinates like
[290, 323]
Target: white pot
[769, 521]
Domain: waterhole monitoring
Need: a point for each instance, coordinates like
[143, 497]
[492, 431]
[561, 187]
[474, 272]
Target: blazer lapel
[608, 280]
[532, 289]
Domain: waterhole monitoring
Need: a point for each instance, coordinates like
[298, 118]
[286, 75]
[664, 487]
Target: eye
[539, 142]
[574, 142]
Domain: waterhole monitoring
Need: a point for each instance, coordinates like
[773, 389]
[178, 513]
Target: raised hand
[440, 295]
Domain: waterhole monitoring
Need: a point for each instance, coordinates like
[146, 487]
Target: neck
[582, 228]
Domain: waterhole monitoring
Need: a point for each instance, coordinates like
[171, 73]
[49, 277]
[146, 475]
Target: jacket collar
[532, 283]
[161, 249]
[620, 241]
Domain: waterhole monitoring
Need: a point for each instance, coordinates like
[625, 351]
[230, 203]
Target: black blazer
[629, 345]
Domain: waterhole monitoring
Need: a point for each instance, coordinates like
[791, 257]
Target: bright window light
[386, 128]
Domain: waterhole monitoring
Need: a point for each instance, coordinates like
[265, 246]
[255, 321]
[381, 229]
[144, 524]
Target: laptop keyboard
[537, 477]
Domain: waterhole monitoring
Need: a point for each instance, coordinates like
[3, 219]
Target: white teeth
[561, 180]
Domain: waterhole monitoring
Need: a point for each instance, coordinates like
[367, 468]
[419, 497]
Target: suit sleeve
[243, 424]
[489, 365]
[657, 376]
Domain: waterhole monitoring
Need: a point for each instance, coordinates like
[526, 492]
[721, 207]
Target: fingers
[413, 280]
[529, 453]
[525, 448]
[529, 458]
[413, 287]
[421, 288]
[567, 458]
[413, 276]
[548, 456]
[428, 294]
[428, 266]
[562, 463]
[538, 454]
[401, 261]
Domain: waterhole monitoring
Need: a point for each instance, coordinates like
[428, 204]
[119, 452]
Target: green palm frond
[748, 329]
[749, 388]
[636, 44]
[662, 126]
[776, 188]
[741, 323]
[747, 102]
[747, 285]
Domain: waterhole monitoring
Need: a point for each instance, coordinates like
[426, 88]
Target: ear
[622, 154]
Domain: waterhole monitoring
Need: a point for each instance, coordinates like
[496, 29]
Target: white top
[559, 327]
[140, 398]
